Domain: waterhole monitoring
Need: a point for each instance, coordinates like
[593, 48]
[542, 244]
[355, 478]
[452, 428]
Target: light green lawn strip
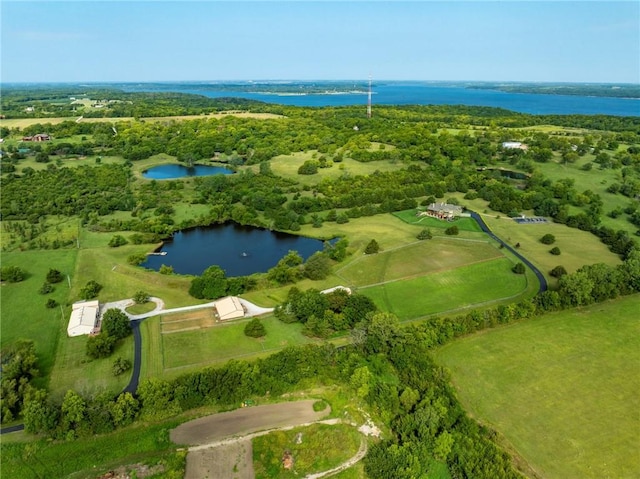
[225, 341]
[152, 352]
[564, 389]
[454, 289]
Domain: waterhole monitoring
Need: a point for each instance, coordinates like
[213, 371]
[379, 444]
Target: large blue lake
[239, 250]
[411, 93]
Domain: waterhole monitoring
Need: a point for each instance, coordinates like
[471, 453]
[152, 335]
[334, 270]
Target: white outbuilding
[229, 308]
[84, 318]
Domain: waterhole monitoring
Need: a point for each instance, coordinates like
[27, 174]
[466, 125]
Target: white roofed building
[84, 318]
[229, 308]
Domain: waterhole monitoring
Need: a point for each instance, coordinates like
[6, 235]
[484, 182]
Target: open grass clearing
[23, 313]
[563, 389]
[225, 341]
[577, 247]
[314, 448]
[287, 167]
[109, 267]
[457, 289]
[74, 370]
[422, 257]
[141, 308]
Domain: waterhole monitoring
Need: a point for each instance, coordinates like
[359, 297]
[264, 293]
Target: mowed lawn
[211, 345]
[564, 389]
[454, 289]
[419, 258]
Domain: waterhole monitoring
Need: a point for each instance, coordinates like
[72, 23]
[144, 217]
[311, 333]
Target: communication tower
[369, 100]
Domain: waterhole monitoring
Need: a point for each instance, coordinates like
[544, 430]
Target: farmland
[544, 385]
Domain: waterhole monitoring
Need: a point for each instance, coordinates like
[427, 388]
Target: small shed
[229, 308]
[84, 318]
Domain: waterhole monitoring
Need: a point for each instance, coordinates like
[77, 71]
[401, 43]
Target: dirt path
[345, 465]
[212, 429]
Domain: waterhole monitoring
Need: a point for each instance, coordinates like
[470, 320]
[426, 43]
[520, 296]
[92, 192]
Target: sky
[508, 40]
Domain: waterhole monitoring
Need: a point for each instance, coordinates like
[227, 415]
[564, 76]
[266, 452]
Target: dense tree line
[67, 191]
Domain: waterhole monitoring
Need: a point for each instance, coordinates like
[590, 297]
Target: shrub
[12, 274]
[141, 297]
[424, 234]
[342, 219]
[452, 230]
[120, 366]
[558, 271]
[117, 240]
[372, 248]
[309, 167]
[51, 303]
[54, 276]
[91, 290]
[518, 268]
[555, 250]
[46, 288]
[100, 346]
[136, 259]
[255, 329]
[164, 269]
[548, 239]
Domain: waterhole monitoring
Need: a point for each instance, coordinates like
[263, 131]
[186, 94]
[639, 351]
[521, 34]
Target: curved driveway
[536, 271]
[250, 311]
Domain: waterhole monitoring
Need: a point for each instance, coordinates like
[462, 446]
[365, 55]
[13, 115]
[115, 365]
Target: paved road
[536, 271]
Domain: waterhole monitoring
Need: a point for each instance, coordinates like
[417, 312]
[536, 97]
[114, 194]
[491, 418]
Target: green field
[323, 447]
[563, 390]
[221, 342]
[416, 259]
[472, 285]
[24, 315]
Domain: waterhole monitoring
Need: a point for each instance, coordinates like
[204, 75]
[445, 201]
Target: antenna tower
[369, 100]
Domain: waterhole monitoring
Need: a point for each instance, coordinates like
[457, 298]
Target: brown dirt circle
[244, 421]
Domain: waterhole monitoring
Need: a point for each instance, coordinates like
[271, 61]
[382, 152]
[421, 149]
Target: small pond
[174, 171]
[239, 250]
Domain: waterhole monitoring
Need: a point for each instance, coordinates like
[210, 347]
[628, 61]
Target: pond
[174, 171]
[239, 250]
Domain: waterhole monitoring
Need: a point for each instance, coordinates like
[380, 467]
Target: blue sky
[83, 41]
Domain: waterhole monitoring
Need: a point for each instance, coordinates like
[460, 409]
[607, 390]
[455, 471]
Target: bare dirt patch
[244, 421]
[229, 461]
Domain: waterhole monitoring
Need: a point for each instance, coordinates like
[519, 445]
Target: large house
[443, 211]
[84, 318]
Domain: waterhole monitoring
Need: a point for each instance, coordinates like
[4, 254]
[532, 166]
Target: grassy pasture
[422, 257]
[578, 247]
[323, 447]
[24, 315]
[287, 166]
[563, 390]
[463, 287]
[210, 345]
